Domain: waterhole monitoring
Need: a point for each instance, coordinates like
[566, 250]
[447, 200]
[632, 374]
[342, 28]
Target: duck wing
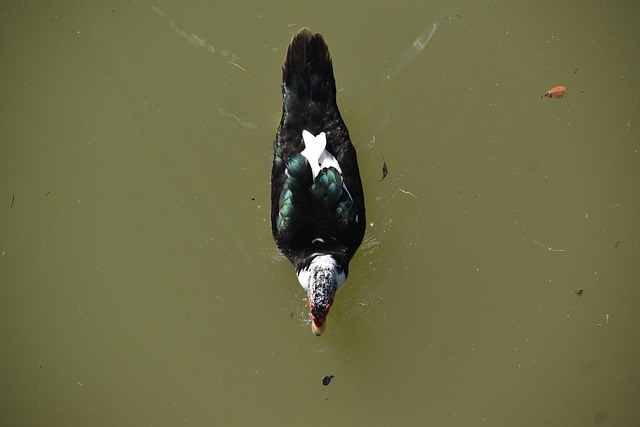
[311, 203]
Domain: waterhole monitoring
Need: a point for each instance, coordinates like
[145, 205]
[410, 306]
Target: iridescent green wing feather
[294, 196]
[329, 194]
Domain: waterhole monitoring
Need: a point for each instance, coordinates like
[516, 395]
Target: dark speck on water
[326, 380]
[385, 171]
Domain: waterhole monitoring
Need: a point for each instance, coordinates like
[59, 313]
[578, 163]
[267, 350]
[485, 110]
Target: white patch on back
[317, 155]
[315, 151]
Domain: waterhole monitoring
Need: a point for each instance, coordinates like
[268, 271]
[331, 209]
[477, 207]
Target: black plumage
[325, 214]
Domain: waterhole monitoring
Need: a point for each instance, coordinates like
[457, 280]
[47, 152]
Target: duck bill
[317, 329]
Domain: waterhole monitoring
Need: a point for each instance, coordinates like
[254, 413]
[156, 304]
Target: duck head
[321, 278]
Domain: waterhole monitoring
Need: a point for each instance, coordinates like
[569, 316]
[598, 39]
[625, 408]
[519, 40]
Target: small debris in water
[579, 291]
[548, 248]
[407, 192]
[385, 171]
[326, 380]
[555, 92]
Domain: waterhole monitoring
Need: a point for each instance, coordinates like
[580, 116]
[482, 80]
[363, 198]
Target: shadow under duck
[317, 203]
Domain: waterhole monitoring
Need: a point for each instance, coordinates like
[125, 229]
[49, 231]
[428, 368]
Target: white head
[322, 278]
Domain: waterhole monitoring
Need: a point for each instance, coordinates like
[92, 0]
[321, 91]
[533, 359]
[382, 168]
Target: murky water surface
[498, 280]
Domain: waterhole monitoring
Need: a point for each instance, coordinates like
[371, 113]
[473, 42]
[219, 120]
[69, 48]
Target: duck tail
[307, 74]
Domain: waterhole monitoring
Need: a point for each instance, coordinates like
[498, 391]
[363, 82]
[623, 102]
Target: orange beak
[317, 329]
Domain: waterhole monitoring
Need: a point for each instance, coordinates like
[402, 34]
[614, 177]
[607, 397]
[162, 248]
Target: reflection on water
[238, 119]
[416, 47]
[194, 39]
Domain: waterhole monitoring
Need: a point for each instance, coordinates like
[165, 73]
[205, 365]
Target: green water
[140, 286]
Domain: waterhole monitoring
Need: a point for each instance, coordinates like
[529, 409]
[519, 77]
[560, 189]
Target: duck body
[317, 202]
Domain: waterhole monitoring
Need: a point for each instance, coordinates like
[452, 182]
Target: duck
[317, 201]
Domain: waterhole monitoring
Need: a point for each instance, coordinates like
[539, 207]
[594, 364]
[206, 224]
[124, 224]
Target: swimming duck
[317, 202]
